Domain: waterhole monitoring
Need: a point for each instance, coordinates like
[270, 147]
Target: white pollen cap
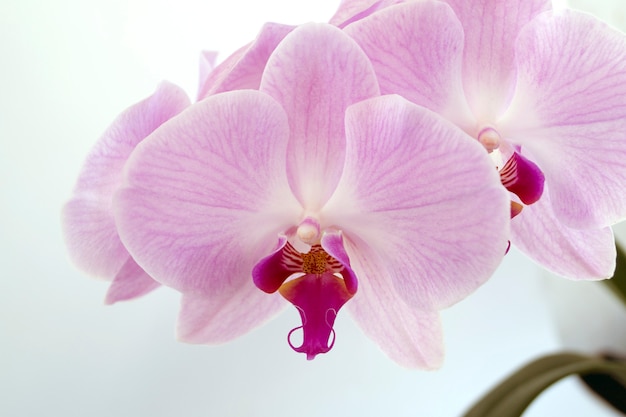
[490, 139]
[309, 231]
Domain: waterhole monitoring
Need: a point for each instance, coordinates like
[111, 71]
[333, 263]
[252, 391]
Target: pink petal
[88, 224]
[410, 336]
[575, 254]
[491, 27]
[207, 195]
[316, 73]
[570, 113]
[207, 65]
[215, 318]
[425, 197]
[130, 282]
[243, 69]
[351, 11]
[417, 52]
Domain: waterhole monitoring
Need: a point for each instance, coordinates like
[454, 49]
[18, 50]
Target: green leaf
[514, 395]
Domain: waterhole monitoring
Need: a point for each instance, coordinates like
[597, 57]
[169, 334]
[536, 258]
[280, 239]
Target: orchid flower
[315, 188]
[543, 91]
[89, 228]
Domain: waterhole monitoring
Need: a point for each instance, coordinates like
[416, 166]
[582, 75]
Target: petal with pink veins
[425, 197]
[207, 194]
[89, 228]
[219, 318]
[410, 336]
[244, 68]
[315, 73]
[576, 254]
[490, 28]
[350, 11]
[570, 113]
[416, 49]
[130, 282]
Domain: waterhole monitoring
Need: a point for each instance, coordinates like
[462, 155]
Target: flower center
[317, 283]
[315, 261]
[518, 174]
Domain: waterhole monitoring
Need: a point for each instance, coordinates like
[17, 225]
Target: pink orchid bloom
[318, 189]
[543, 91]
[89, 228]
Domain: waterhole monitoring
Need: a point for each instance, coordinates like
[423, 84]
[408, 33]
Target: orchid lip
[315, 282]
[523, 178]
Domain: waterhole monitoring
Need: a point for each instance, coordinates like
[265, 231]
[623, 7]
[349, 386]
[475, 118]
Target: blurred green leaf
[511, 397]
[608, 387]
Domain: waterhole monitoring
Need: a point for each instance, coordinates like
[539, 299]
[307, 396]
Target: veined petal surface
[88, 224]
[410, 336]
[315, 74]
[570, 112]
[350, 11]
[211, 319]
[576, 254]
[244, 68]
[416, 49]
[207, 194]
[425, 197]
[130, 282]
[491, 27]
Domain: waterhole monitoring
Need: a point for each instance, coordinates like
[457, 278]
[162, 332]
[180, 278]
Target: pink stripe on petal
[411, 337]
[88, 225]
[570, 113]
[244, 68]
[219, 318]
[417, 51]
[351, 11]
[575, 254]
[207, 195]
[130, 282]
[425, 197]
[491, 27]
[315, 74]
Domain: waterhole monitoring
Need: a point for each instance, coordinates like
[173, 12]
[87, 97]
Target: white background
[67, 69]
